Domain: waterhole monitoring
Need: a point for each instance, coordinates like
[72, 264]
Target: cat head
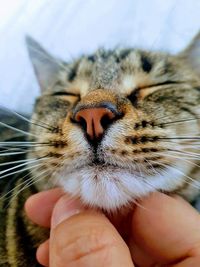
[114, 126]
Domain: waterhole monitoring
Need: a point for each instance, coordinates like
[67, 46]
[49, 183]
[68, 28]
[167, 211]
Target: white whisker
[18, 145]
[27, 120]
[187, 153]
[178, 121]
[16, 129]
[191, 179]
[31, 181]
[12, 153]
[16, 161]
[178, 158]
[23, 164]
[24, 182]
[155, 171]
[21, 170]
[142, 176]
[9, 149]
[13, 189]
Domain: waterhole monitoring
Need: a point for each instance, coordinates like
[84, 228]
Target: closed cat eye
[64, 94]
[133, 97]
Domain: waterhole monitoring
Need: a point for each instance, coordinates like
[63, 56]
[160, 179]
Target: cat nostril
[105, 121]
[83, 123]
[94, 121]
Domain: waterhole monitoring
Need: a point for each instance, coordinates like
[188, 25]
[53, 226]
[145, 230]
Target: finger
[189, 262]
[167, 229]
[122, 222]
[139, 256]
[85, 238]
[42, 254]
[39, 207]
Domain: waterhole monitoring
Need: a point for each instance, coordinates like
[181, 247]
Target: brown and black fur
[15, 228]
[156, 97]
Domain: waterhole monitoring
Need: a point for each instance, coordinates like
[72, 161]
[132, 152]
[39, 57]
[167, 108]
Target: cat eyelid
[63, 93]
[159, 84]
[133, 96]
[136, 90]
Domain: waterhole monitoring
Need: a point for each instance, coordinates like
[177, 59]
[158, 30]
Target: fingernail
[64, 209]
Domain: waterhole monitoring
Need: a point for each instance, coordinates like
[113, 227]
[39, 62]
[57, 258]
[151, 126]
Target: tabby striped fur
[152, 145]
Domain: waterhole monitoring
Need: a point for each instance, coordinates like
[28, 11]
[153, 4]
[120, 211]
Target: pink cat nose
[95, 120]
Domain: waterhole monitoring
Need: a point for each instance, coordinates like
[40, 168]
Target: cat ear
[46, 67]
[192, 54]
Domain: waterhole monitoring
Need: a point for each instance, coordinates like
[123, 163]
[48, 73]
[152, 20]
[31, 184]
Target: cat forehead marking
[123, 84]
[108, 70]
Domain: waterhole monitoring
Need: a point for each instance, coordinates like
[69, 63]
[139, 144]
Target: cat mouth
[99, 165]
[98, 162]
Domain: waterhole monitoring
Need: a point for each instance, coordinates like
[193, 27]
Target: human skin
[161, 231]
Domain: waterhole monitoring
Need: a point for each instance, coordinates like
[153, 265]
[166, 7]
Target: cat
[108, 128]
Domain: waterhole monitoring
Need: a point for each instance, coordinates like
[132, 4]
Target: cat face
[117, 125]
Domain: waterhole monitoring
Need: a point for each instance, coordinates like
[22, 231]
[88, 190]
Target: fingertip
[39, 207]
[64, 209]
[42, 254]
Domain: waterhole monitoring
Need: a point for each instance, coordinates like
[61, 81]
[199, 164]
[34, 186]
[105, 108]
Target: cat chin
[113, 188]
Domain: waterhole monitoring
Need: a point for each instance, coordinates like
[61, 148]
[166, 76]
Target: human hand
[165, 231]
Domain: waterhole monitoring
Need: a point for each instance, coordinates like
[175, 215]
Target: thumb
[84, 238]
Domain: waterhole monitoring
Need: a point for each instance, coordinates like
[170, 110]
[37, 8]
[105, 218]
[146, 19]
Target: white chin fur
[110, 188]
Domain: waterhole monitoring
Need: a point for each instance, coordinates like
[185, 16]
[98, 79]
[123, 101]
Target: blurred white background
[68, 28]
